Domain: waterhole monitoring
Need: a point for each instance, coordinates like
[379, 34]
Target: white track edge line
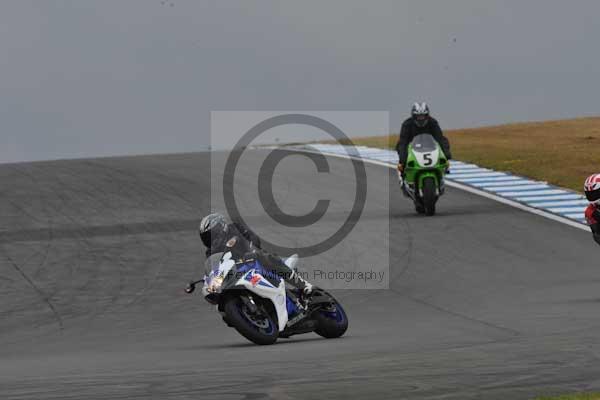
[469, 189]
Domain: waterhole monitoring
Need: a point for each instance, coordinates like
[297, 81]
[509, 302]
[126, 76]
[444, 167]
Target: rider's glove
[249, 256]
[596, 214]
[400, 167]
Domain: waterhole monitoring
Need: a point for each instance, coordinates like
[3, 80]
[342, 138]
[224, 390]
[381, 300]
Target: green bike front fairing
[426, 159]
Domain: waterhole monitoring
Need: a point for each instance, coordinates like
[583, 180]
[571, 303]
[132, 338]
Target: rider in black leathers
[419, 122]
[220, 236]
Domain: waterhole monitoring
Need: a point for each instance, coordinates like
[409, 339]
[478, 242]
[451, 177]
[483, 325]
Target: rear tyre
[258, 327]
[429, 196]
[332, 321]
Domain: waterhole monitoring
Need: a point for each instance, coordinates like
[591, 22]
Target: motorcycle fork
[249, 302]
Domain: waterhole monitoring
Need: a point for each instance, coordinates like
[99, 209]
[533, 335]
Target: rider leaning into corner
[219, 236]
[592, 212]
[419, 122]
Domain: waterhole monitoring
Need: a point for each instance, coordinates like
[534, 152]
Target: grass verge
[561, 152]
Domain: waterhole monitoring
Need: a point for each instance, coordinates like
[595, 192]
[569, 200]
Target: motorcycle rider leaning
[220, 236]
[419, 122]
[592, 212]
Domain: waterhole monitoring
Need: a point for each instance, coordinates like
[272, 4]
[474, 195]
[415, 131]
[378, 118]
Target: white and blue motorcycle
[261, 307]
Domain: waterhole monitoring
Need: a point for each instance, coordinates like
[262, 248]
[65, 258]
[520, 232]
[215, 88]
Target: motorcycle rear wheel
[332, 321]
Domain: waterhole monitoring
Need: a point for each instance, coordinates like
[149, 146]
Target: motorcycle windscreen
[212, 263]
[424, 143]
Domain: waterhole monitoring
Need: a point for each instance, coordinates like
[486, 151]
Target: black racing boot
[420, 208]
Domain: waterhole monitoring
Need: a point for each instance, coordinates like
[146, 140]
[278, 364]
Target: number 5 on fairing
[427, 158]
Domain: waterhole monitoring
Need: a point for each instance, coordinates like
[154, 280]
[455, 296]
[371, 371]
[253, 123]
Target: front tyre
[258, 326]
[429, 195]
[332, 320]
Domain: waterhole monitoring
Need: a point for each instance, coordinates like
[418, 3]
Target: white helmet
[420, 114]
[591, 187]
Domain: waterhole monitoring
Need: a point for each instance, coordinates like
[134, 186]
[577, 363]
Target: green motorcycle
[423, 177]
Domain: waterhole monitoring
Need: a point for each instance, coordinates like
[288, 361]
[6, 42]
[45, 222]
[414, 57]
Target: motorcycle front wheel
[429, 196]
[256, 326]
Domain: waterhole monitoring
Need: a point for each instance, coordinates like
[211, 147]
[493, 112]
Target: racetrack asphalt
[485, 301]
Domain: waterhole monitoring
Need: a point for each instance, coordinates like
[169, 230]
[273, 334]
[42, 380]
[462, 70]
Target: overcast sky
[91, 78]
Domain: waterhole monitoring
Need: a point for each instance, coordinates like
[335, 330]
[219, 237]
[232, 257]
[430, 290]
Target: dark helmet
[213, 225]
[420, 114]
